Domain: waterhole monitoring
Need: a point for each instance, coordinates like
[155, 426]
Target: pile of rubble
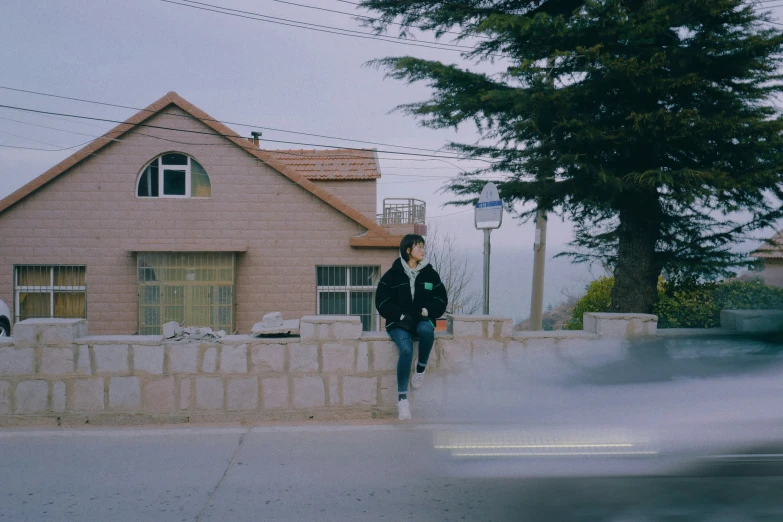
[172, 331]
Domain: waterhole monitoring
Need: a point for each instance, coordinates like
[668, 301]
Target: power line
[359, 16]
[217, 121]
[37, 111]
[317, 27]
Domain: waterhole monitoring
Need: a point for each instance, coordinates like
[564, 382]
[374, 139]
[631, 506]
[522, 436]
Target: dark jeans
[402, 338]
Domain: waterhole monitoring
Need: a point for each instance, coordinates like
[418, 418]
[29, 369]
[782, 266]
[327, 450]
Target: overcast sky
[238, 70]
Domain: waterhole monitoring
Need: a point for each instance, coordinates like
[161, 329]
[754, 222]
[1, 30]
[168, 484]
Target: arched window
[174, 175]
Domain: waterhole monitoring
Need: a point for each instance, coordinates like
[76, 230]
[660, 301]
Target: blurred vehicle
[5, 320]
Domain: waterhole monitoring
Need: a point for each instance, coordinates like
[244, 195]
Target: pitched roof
[331, 165]
[772, 249]
[172, 98]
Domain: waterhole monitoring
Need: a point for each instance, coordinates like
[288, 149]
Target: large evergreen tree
[648, 122]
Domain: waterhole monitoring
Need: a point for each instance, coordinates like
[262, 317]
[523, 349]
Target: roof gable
[172, 98]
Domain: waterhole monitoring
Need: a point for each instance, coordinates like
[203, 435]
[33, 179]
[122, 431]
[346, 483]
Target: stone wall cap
[554, 334]
[754, 313]
[254, 340]
[327, 319]
[51, 321]
[374, 336]
[6, 341]
[622, 316]
[696, 332]
[477, 318]
[119, 339]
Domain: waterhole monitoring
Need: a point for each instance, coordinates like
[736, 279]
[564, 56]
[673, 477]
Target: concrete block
[49, 332]
[467, 328]
[516, 354]
[58, 397]
[360, 391]
[88, 394]
[56, 361]
[308, 331]
[233, 359]
[124, 393]
[488, 355]
[184, 394]
[243, 393]
[330, 327]
[17, 361]
[338, 357]
[275, 391]
[159, 395]
[347, 330]
[209, 393]
[389, 390]
[111, 358]
[268, 357]
[83, 364]
[309, 392]
[5, 397]
[171, 329]
[363, 358]
[620, 325]
[304, 357]
[333, 381]
[454, 354]
[32, 396]
[183, 358]
[384, 355]
[752, 321]
[209, 365]
[148, 359]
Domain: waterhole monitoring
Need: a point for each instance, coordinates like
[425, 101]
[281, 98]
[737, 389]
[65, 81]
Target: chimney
[255, 135]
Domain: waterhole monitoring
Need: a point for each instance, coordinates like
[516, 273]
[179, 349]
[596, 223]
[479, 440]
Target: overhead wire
[213, 133]
[317, 27]
[94, 102]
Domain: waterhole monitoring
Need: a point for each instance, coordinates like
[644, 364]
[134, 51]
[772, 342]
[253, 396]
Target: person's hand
[424, 312]
[408, 323]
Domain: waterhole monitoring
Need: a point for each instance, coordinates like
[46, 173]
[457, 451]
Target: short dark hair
[409, 241]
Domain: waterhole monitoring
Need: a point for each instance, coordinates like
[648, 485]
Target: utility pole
[539, 260]
[539, 250]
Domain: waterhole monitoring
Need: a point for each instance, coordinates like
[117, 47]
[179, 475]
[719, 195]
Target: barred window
[349, 290]
[42, 291]
[173, 175]
[194, 288]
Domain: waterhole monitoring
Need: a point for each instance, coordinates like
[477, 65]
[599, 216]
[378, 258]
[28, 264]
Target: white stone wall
[52, 372]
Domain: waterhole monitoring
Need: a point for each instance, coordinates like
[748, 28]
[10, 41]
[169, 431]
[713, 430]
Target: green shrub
[597, 298]
[691, 305]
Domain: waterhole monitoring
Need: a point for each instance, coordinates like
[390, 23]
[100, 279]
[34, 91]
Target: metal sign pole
[487, 248]
[488, 216]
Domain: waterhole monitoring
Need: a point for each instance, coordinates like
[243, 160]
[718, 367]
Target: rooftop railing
[402, 211]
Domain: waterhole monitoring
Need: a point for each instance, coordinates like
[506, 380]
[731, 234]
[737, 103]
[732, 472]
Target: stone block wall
[53, 373]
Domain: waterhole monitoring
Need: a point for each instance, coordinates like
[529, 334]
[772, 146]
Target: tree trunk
[638, 267]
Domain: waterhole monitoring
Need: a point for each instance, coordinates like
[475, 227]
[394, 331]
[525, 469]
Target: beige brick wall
[90, 215]
[773, 272]
[361, 194]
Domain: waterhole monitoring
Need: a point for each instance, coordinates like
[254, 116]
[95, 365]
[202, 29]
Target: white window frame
[347, 289]
[51, 289]
[162, 174]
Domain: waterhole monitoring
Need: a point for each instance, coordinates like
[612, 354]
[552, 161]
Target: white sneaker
[404, 409]
[417, 380]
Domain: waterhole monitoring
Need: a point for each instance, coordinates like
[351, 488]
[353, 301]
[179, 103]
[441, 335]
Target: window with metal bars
[42, 291]
[194, 288]
[349, 290]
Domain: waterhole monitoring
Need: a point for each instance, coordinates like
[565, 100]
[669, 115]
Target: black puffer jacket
[393, 295]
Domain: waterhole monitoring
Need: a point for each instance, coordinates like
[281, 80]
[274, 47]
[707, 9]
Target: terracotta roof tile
[332, 165]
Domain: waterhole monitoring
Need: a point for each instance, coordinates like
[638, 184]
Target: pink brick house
[173, 216]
